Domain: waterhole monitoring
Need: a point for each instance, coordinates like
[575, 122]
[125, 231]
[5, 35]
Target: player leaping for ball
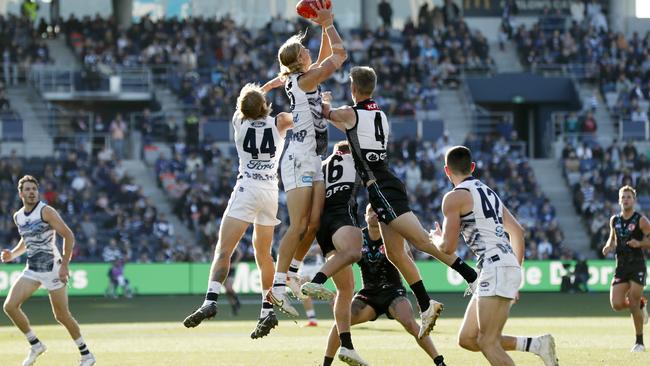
[366, 127]
[629, 235]
[475, 211]
[259, 139]
[38, 225]
[301, 164]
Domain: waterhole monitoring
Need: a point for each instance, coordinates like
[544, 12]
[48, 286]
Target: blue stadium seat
[432, 130]
[633, 130]
[216, 130]
[12, 129]
[402, 130]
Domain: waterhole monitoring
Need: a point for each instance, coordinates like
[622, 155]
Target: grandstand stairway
[550, 179]
[171, 107]
[25, 102]
[143, 176]
[606, 127]
[506, 60]
[62, 54]
[455, 114]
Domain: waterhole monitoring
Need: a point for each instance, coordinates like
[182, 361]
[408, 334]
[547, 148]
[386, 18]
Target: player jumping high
[301, 165]
[366, 127]
[259, 139]
[475, 211]
[629, 235]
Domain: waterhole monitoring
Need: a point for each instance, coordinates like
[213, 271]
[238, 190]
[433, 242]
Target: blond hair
[26, 179]
[289, 55]
[251, 103]
[627, 188]
[364, 79]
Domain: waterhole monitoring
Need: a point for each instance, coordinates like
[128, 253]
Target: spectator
[112, 252]
[589, 125]
[385, 11]
[118, 130]
[639, 116]
[450, 12]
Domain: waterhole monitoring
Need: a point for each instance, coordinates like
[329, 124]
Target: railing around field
[47, 79]
[576, 71]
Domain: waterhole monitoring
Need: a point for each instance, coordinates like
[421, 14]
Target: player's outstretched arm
[645, 242]
[56, 222]
[342, 118]
[284, 122]
[17, 251]
[322, 72]
[272, 84]
[325, 48]
[611, 241]
[516, 233]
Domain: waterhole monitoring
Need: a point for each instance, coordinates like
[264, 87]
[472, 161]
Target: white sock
[311, 314]
[294, 267]
[31, 337]
[522, 343]
[83, 349]
[267, 307]
[213, 287]
[279, 283]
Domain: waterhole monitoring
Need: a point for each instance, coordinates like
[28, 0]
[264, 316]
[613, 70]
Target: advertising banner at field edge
[184, 278]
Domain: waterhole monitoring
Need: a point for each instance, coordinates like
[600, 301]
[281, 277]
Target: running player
[366, 127]
[475, 211]
[340, 239]
[382, 293]
[301, 165]
[38, 224]
[259, 139]
[629, 235]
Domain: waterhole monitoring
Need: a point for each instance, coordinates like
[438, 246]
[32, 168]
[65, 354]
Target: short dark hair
[459, 160]
[26, 179]
[342, 146]
[364, 79]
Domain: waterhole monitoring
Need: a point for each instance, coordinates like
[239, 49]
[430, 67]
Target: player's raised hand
[435, 235]
[324, 15]
[6, 255]
[64, 273]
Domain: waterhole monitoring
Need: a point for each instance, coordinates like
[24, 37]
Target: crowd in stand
[212, 58]
[110, 216]
[200, 184]
[21, 45]
[550, 41]
[595, 173]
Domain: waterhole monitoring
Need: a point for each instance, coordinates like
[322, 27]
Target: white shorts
[255, 206]
[49, 280]
[300, 170]
[503, 281]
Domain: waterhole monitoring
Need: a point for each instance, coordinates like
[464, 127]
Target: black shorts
[389, 199]
[635, 271]
[380, 299]
[331, 221]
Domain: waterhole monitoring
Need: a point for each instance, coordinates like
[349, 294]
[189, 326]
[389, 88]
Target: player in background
[301, 164]
[233, 299]
[259, 139]
[474, 211]
[311, 263]
[366, 127]
[382, 293]
[38, 225]
[629, 234]
[117, 279]
[340, 239]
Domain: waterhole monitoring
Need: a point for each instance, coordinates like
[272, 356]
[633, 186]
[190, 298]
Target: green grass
[586, 332]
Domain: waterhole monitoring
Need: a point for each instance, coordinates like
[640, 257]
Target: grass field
[141, 332]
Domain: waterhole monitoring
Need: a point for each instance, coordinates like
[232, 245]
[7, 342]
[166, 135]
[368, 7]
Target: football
[304, 8]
